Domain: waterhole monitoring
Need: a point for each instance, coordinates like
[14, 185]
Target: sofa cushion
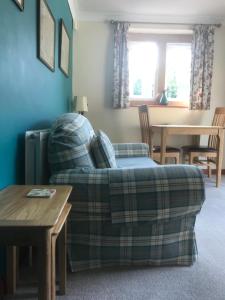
[135, 162]
[103, 151]
[69, 143]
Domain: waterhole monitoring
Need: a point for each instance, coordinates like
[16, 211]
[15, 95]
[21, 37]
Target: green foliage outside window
[172, 88]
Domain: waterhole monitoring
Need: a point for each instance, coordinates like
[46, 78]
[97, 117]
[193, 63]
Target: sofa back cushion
[103, 151]
[69, 143]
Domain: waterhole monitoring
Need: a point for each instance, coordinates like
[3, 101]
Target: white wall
[93, 77]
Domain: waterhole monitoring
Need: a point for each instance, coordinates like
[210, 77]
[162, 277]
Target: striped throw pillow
[103, 151]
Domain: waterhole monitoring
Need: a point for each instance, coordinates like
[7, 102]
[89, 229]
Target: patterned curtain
[202, 66]
[121, 72]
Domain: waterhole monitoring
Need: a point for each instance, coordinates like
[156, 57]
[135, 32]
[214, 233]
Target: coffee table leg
[11, 270]
[53, 271]
[62, 262]
[45, 265]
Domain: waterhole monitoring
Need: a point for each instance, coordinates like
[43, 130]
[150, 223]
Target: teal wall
[31, 96]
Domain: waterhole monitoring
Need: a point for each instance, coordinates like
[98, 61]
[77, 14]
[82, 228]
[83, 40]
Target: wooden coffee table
[35, 221]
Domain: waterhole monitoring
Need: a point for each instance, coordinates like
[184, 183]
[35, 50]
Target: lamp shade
[81, 103]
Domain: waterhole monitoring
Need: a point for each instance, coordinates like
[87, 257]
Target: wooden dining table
[195, 130]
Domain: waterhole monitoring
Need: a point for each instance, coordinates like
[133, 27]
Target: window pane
[143, 58]
[178, 71]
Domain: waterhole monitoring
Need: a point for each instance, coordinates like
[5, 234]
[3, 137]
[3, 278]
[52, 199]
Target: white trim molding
[106, 16]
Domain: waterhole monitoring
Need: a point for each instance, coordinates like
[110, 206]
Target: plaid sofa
[138, 213]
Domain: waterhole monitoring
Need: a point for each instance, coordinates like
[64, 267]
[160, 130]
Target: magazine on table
[41, 193]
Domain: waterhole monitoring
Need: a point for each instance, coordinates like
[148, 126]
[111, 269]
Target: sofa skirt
[96, 244]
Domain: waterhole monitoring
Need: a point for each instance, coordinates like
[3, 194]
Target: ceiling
[204, 11]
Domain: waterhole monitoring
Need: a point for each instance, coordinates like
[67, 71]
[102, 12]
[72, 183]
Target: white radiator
[36, 160]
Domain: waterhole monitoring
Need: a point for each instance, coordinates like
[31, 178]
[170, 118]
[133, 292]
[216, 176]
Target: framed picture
[64, 49]
[20, 4]
[46, 35]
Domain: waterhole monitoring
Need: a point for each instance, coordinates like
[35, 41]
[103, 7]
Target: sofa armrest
[131, 150]
[135, 195]
[155, 194]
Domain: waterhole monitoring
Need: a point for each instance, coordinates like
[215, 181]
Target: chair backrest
[218, 120]
[145, 125]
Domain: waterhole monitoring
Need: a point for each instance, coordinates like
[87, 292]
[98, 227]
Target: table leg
[163, 145]
[220, 157]
[62, 262]
[53, 283]
[11, 269]
[45, 265]
[151, 143]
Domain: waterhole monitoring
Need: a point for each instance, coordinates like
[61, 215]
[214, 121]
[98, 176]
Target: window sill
[171, 104]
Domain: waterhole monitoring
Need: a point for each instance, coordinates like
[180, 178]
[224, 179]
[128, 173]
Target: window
[143, 61]
[178, 71]
[157, 63]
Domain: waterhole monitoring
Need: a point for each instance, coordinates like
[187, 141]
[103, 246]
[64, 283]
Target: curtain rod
[161, 23]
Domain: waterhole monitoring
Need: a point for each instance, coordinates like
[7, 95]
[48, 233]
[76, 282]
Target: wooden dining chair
[146, 135]
[206, 155]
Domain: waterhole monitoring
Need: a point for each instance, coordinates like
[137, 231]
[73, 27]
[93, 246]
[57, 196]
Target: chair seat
[193, 148]
[157, 149]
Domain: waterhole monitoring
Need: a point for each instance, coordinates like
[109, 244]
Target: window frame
[161, 40]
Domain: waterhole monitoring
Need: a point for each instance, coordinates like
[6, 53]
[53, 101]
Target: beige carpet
[205, 280]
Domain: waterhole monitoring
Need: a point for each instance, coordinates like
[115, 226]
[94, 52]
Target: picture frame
[64, 49]
[20, 4]
[46, 35]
